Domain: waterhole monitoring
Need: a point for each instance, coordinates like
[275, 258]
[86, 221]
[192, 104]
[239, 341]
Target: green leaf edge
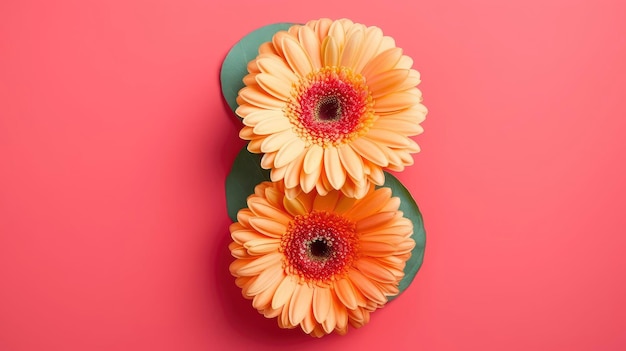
[246, 173]
[411, 211]
[235, 65]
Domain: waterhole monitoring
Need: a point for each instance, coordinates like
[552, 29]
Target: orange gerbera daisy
[331, 104]
[320, 262]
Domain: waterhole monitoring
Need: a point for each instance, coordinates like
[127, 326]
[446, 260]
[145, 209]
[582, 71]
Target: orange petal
[330, 52]
[278, 88]
[309, 180]
[247, 133]
[243, 217]
[404, 125]
[267, 161]
[318, 332]
[338, 33]
[345, 293]
[321, 303]
[268, 226]
[274, 197]
[396, 163]
[322, 27]
[383, 62]
[323, 185]
[344, 204]
[377, 176]
[308, 323]
[256, 266]
[375, 271]
[359, 317]
[294, 206]
[297, 58]
[377, 248]
[283, 320]
[326, 203]
[293, 30]
[405, 246]
[331, 318]
[341, 313]
[301, 303]
[388, 289]
[262, 246]
[307, 200]
[385, 44]
[244, 235]
[277, 174]
[334, 171]
[289, 152]
[351, 161]
[294, 169]
[399, 230]
[389, 82]
[352, 49]
[284, 292]
[267, 279]
[262, 208]
[373, 38]
[369, 205]
[405, 62]
[236, 226]
[413, 147]
[243, 281]
[249, 81]
[384, 236]
[369, 289]
[267, 49]
[277, 68]
[236, 265]
[253, 118]
[396, 101]
[270, 312]
[313, 159]
[238, 251]
[254, 145]
[276, 141]
[277, 41]
[349, 188]
[370, 151]
[311, 45]
[294, 192]
[256, 97]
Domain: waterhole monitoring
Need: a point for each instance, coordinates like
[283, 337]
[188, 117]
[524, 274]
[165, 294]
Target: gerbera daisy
[331, 104]
[320, 262]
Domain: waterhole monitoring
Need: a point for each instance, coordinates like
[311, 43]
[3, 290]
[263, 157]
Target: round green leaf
[234, 67]
[412, 212]
[246, 173]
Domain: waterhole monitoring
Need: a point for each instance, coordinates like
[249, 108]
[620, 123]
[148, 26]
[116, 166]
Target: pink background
[115, 143]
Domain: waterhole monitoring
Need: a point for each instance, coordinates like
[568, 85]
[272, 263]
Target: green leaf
[412, 212]
[246, 173]
[234, 67]
[240, 182]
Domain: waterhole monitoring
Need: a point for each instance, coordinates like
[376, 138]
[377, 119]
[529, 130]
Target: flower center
[319, 249]
[329, 109]
[332, 106]
[319, 246]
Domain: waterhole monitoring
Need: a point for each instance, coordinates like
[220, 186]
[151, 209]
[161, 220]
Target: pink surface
[115, 144]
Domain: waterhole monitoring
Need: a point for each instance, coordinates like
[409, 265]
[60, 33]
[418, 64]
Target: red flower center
[331, 106]
[318, 246]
